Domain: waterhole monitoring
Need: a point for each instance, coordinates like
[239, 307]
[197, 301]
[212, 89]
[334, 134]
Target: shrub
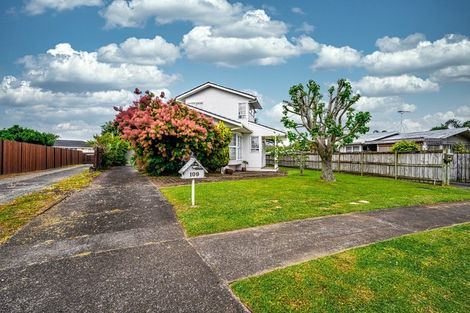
[114, 149]
[17, 133]
[164, 134]
[405, 146]
[221, 154]
[459, 148]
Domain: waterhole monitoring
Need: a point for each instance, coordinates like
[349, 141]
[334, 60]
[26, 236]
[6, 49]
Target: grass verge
[231, 205]
[15, 214]
[424, 272]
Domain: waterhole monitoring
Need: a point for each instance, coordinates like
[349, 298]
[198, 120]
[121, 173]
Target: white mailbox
[193, 170]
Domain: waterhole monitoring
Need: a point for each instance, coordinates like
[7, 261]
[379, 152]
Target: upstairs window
[242, 110]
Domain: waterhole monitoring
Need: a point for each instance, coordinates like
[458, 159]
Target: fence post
[362, 163]
[396, 164]
[339, 162]
[445, 168]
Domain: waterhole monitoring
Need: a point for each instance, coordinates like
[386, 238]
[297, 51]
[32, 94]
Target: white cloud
[202, 45]
[384, 105]
[135, 13]
[461, 113]
[297, 10]
[452, 73]
[72, 115]
[393, 44]
[450, 50]
[384, 111]
[156, 51]
[333, 57]
[305, 28]
[82, 70]
[35, 7]
[254, 23]
[389, 85]
[47, 110]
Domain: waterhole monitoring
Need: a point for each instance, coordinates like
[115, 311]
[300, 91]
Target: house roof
[268, 127]
[427, 135]
[252, 98]
[71, 143]
[373, 137]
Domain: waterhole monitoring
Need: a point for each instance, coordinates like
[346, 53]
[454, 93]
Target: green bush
[221, 154]
[114, 149]
[459, 148]
[21, 134]
[406, 146]
[164, 134]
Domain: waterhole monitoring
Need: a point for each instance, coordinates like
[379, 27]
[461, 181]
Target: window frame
[242, 114]
[257, 148]
[236, 137]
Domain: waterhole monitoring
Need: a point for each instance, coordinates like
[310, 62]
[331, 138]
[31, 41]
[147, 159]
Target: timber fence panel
[1, 157]
[57, 157]
[50, 157]
[11, 157]
[460, 168]
[63, 157]
[26, 160]
[18, 157]
[424, 166]
[69, 157]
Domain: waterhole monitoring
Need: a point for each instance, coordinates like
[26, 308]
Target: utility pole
[402, 112]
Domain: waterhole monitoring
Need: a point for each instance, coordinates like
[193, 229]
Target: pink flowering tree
[163, 135]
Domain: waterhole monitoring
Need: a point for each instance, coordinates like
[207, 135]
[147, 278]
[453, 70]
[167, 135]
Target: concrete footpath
[113, 247]
[15, 186]
[256, 250]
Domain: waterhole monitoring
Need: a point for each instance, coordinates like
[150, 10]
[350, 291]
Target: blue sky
[65, 63]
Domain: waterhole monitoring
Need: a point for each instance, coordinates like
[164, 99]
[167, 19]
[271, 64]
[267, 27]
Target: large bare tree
[325, 125]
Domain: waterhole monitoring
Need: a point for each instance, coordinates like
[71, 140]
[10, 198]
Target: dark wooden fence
[423, 166]
[20, 157]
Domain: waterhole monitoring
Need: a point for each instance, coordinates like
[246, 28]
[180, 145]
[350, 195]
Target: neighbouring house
[428, 140]
[363, 143]
[79, 145]
[237, 110]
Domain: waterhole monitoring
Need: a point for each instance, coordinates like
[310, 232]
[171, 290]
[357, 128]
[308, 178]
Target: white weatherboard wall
[226, 104]
[219, 102]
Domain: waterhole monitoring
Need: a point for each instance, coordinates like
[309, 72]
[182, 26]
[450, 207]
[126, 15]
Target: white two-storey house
[237, 110]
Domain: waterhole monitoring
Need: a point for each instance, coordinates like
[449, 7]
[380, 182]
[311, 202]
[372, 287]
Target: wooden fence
[422, 166]
[20, 157]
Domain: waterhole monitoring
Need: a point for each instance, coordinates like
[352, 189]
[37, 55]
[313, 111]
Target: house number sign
[193, 170]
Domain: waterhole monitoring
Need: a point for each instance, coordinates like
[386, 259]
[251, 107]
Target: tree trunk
[327, 168]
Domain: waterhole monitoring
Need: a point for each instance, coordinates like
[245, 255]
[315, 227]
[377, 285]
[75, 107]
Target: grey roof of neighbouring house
[71, 143]
[373, 137]
[431, 135]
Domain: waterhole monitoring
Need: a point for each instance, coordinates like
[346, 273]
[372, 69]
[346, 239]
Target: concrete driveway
[15, 186]
[113, 247]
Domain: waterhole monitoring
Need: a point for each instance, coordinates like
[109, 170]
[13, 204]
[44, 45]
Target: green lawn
[18, 212]
[424, 272]
[239, 204]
